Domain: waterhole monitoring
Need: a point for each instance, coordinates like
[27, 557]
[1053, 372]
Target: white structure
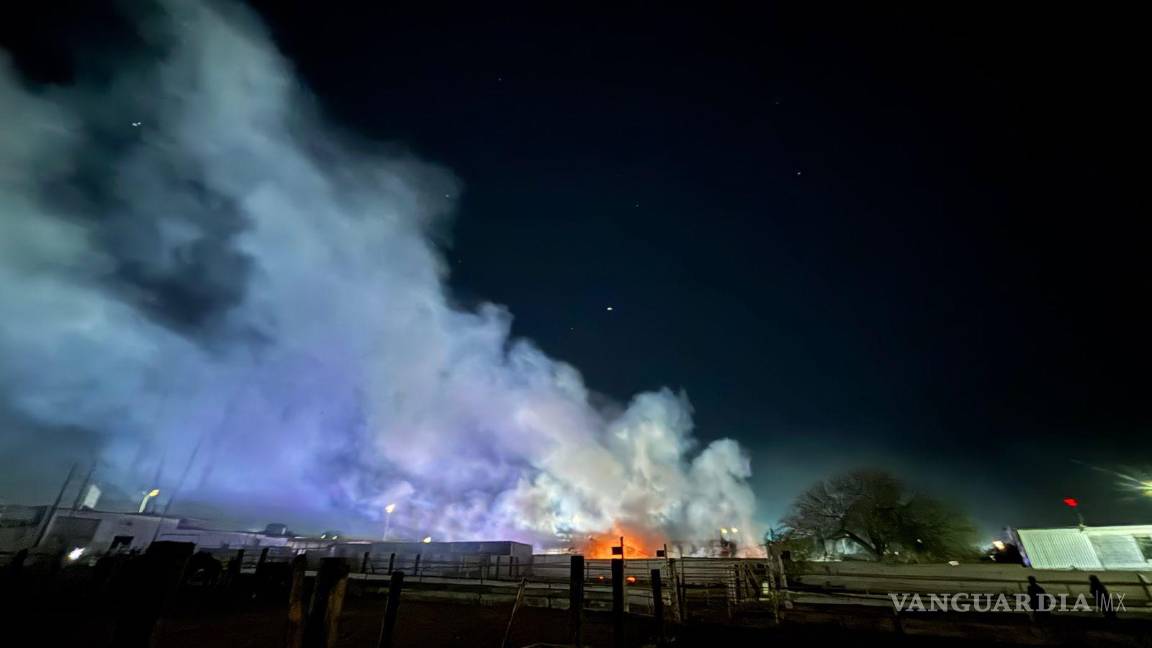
[1089, 548]
[101, 531]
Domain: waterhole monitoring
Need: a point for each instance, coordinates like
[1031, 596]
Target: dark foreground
[76, 607]
[424, 623]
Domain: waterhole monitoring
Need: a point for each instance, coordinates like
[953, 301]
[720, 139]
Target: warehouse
[1089, 548]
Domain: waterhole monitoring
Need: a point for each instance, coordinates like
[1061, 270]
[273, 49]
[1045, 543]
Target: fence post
[327, 602]
[395, 585]
[658, 606]
[575, 598]
[391, 562]
[366, 563]
[681, 582]
[515, 607]
[260, 562]
[13, 598]
[234, 567]
[296, 603]
[149, 584]
[674, 591]
[416, 568]
[618, 603]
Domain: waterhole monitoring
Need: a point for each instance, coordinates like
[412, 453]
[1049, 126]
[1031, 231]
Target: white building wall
[1090, 548]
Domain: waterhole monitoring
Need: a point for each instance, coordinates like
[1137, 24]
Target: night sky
[854, 236]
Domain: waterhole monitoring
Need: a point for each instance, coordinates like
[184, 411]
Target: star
[609, 308]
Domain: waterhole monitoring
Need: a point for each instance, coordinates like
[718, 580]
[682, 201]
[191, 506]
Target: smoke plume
[203, 285]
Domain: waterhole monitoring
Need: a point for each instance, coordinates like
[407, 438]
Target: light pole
[147, 496]
[388, 519]
[1074, 504]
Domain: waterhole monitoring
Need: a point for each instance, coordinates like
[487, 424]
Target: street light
[147, 496]
[388, 519]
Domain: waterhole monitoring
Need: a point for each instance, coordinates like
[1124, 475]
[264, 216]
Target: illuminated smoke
[190, 260]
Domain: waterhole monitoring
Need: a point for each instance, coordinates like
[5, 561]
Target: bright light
[147, 496]
[1146, 488]
[427, 539]
[998, 544]
[724, 530]
[631, 580]
[76, 553]
[735, 530]
[388, 509]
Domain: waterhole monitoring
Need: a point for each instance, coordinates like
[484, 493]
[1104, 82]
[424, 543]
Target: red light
[631, 580]
[1071, 502]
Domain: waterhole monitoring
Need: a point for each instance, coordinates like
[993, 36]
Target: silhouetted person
[1100, 595]
[1034, 593]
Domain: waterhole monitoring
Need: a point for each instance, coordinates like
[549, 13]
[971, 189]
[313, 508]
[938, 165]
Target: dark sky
[855, 236]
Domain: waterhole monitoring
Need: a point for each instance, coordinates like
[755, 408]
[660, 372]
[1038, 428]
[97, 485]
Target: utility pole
[51, 512]
[83, 485]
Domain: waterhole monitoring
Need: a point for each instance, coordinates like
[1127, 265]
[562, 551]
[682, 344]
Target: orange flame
[636, 544]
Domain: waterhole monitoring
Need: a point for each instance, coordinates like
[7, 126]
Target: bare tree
[874, 510]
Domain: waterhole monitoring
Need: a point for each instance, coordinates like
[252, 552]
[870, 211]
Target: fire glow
[636, 544]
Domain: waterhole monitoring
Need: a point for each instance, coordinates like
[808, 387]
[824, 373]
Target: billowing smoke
[201, 285]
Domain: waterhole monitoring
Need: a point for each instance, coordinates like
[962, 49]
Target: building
[1089, 548]
[454, 550]
[102, 531]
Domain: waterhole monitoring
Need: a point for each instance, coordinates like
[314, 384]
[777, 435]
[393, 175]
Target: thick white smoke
[190, 264]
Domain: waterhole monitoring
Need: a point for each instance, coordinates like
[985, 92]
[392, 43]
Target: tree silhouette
[877, 512]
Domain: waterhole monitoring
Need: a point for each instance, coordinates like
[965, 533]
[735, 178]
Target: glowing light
[388, 509]
[147, 496]
[76, 553]
[998, 544]
[427, 539]
[735, 530]
[1071, 502]
[637, 543]
[724, 530]
[631, 580]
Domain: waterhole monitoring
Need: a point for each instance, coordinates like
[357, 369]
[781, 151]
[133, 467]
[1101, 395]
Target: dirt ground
[71, 612]
[418, 624]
